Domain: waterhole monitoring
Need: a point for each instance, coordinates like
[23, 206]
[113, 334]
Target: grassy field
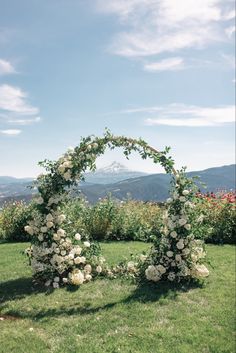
[117, 316]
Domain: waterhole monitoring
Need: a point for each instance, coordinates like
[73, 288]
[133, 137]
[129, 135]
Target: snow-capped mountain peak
[113, 168]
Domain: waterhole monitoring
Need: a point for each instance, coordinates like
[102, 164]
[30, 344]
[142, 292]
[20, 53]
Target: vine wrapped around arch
[59, 258]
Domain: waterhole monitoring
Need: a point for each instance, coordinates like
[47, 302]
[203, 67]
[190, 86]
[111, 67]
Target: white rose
[169, 200]
[40, 237]
[182, 221]
[89, 147]
[143, 257]
[200, 271]
[161, 269]
[87, 277]
[49, 224]
[182, 199]
[29, 230]
[77, 278]
[61, 169]
[170, 253]
[130, 266]
[43, 229]
[39, 200]
[55, 285]
[49, 217]
[185, 192]
[173, 234]
[61, 218]
[67, 176]
[171, 276]
[187, 226]
[61, 232]
[99, 269]
[77, 236]
[88, 268]
[65, 280]
[56, 237]
[178, 258]
[56, 279]
[180, 245]
[87, 244]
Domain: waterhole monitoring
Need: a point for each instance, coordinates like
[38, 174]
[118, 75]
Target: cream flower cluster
[53, 252]
[179, 255]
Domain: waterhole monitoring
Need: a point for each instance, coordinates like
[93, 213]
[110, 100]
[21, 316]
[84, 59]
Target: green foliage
[13, 217]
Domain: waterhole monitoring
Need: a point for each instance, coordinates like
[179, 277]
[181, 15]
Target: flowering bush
[13, 217]
[218, 217]
[57, 260]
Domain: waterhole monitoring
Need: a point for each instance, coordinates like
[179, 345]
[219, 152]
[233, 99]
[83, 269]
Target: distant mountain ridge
[153, 187]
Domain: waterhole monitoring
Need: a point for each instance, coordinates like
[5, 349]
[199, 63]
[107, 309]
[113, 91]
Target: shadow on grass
[18, 289]
[147, 292]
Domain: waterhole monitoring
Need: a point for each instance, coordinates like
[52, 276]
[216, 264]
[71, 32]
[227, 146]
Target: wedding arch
[58, 258]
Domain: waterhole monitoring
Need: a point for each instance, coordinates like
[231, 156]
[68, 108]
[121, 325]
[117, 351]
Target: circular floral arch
[58, 258]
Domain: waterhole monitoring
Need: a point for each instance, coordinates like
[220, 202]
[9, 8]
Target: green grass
[108, 316]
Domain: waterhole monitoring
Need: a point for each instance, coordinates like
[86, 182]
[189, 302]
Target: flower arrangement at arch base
[58, 259]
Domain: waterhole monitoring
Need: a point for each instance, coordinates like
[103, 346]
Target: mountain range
[121, 183]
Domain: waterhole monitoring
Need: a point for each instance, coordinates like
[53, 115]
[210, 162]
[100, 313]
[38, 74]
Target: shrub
[13, 217]
[218, 217]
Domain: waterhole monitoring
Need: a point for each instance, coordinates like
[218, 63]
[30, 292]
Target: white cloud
[153, 27]
[15, 109]
[193, 116]
[169, 64]
[6, 67]
[13, 99]
[10, 132]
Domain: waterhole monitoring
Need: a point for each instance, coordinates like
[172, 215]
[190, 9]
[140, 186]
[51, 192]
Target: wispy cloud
[193, 116]
[6, 67]
[230, 31]
[10, 132]
[15, 109]
[153, 27]
[169, 64]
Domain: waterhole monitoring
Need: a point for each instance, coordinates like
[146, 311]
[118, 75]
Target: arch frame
[58, 258]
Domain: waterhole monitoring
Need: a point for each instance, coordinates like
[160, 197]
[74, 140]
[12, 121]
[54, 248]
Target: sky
[163, 70]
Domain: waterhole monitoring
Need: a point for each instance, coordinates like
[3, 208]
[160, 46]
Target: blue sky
[162, 70]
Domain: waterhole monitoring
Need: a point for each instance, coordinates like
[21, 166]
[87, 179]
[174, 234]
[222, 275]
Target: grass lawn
[109, 316]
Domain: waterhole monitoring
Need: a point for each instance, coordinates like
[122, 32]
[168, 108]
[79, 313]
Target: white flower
[77, 278]
[47, 283]
[67, 176]
[182, 221]
[187, 226]
[79, 260]
[55, 285]
[130, 266]
[63, 252]
[61, 169]
[87, 244]
[87, 277]
[43, 229]
[200, 271]
[143, 257]
[182, 199]
[170, 253]
[173, 234]
[185, 192]
[61, 218]
[161, 269]
[40, 237]
[29, 230]
[77, 236]
[61, 232]
[171, 276]
[99, 269]
[39, 200]
[65, 280]
[169, 200]
[178, 258]
[49, 224]
[152, 274]
[56, 237]
[180, 245]
[89, 147]
[49, 217]
[88, 268]
[56, 279]
[175, 195]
